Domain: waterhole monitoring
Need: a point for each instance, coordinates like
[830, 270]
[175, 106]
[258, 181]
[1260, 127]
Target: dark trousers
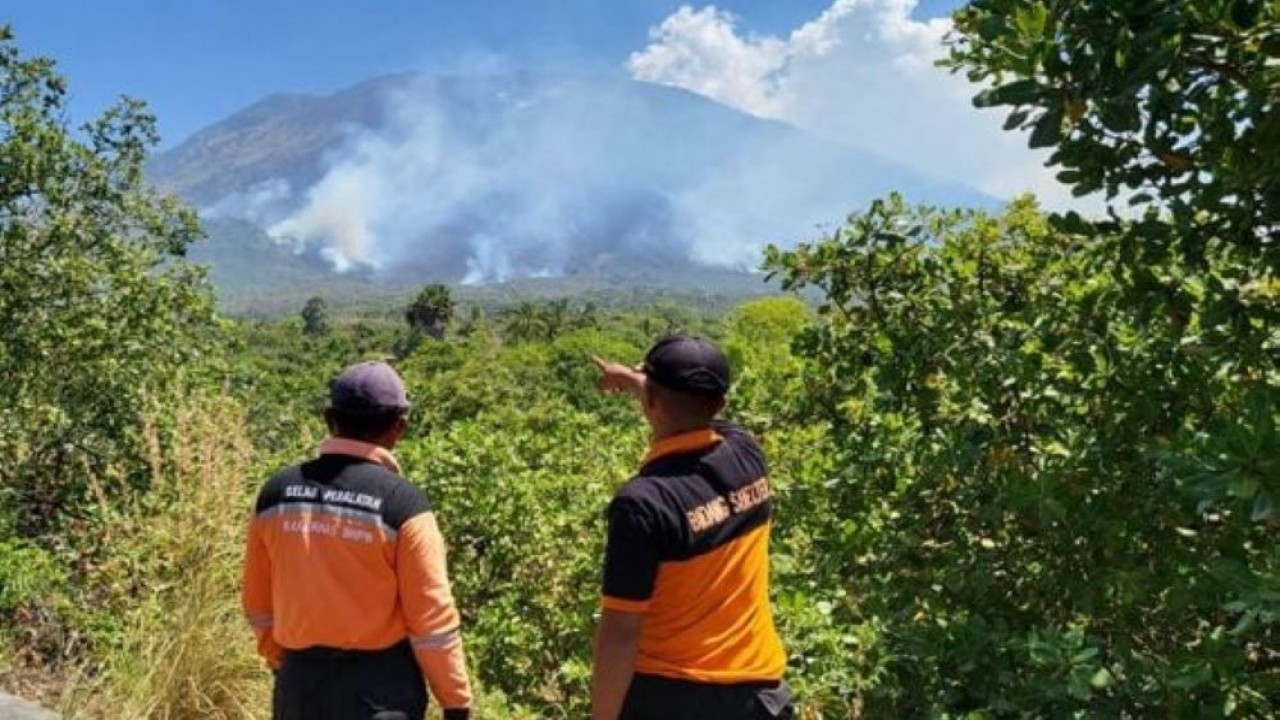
[658, 698]
[325, 684]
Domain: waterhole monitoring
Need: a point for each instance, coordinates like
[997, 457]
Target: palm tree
[523, 322]
[555, 318]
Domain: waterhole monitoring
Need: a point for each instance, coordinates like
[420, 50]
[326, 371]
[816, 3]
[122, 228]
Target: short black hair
[364, 425]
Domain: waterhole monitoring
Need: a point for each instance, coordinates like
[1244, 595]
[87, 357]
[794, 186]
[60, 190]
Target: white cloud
[700, 50]
[861, 73]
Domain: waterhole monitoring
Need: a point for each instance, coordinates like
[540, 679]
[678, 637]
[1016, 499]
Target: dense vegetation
[1027, 464]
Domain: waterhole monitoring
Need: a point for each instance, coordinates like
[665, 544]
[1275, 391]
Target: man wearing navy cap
[686, 631]
[344, 582]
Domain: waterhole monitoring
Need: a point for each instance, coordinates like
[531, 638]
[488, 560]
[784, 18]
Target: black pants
[324, 684]
[658, 698]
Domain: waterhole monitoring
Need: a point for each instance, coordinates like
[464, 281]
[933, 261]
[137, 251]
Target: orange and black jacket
[688, 547]
[344, 553]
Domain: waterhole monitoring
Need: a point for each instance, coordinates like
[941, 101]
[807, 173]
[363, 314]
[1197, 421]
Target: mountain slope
[281, 137]
[416, 177]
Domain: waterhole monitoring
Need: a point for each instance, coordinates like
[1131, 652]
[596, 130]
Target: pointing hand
[616, 377]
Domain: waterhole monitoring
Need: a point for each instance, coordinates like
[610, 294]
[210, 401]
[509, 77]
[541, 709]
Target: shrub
[1025, 504]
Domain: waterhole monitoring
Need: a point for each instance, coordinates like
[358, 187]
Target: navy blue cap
[688, 364]
[368, 386]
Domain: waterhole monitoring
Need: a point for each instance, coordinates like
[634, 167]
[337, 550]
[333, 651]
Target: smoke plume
[487, 178]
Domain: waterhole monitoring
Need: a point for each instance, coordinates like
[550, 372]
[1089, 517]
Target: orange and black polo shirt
[342, 552]
[688, 548]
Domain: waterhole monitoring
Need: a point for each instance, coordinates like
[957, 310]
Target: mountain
[409, 178]
[283, 137]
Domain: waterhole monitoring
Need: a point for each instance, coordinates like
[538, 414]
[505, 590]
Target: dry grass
[185, 651]
[172, 569]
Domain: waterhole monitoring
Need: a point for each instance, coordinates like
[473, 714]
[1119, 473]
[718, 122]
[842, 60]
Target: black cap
[688, 364]
[368, 386]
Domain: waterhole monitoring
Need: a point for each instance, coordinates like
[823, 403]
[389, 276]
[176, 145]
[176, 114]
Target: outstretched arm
[616, 377]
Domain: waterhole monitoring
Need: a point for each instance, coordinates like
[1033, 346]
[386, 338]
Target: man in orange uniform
[344, 578]
[686, 631]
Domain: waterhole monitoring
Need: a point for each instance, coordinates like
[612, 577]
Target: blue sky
[197, 61]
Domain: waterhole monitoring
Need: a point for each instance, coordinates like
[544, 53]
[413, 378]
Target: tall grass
[183, 649]
[169, 583]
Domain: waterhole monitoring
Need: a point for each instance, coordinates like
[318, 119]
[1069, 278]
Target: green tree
[1058, 436]
[315, 317]
[767, 375]
[99, 311]
[1167, 104]
[1038, 499]
[1172, 108]
[588, 316]
[556, 317]
[524, 322]
[431, 311]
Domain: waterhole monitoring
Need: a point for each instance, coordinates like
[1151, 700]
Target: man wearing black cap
[686, 631]
[344, 578]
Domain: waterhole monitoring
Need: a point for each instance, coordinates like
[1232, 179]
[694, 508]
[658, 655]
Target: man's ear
[648, 398]
[399, 428]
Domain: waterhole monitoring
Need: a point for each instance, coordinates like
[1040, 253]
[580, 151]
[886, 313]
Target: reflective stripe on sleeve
[260, 620]
[437, 641]
[630, 606]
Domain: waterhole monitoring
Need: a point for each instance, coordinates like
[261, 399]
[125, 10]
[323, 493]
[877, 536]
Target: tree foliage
[1027, 515]
[315, 317]
[1171, 107]
[431, 310]
[1165, 104]
[97, 307]
[530, 320]
[1055, 447]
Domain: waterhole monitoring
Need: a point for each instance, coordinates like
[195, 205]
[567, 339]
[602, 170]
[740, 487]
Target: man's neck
[381, 442]
[660, 434]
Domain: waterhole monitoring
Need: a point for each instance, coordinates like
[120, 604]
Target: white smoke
[376, 187]
[490, 184]
[262, 203]
[491, 177]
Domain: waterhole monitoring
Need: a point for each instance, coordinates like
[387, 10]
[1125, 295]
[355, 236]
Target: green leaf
[1078, 688]
[1018, 92]
[1032, 20]
[1048, 130]
[1102, 679]
[1192, 677]
[1085, 655]
[1016, 119]
[1120, 115]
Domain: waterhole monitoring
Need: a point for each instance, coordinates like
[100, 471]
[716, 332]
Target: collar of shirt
[682, 443]
[356, 448]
